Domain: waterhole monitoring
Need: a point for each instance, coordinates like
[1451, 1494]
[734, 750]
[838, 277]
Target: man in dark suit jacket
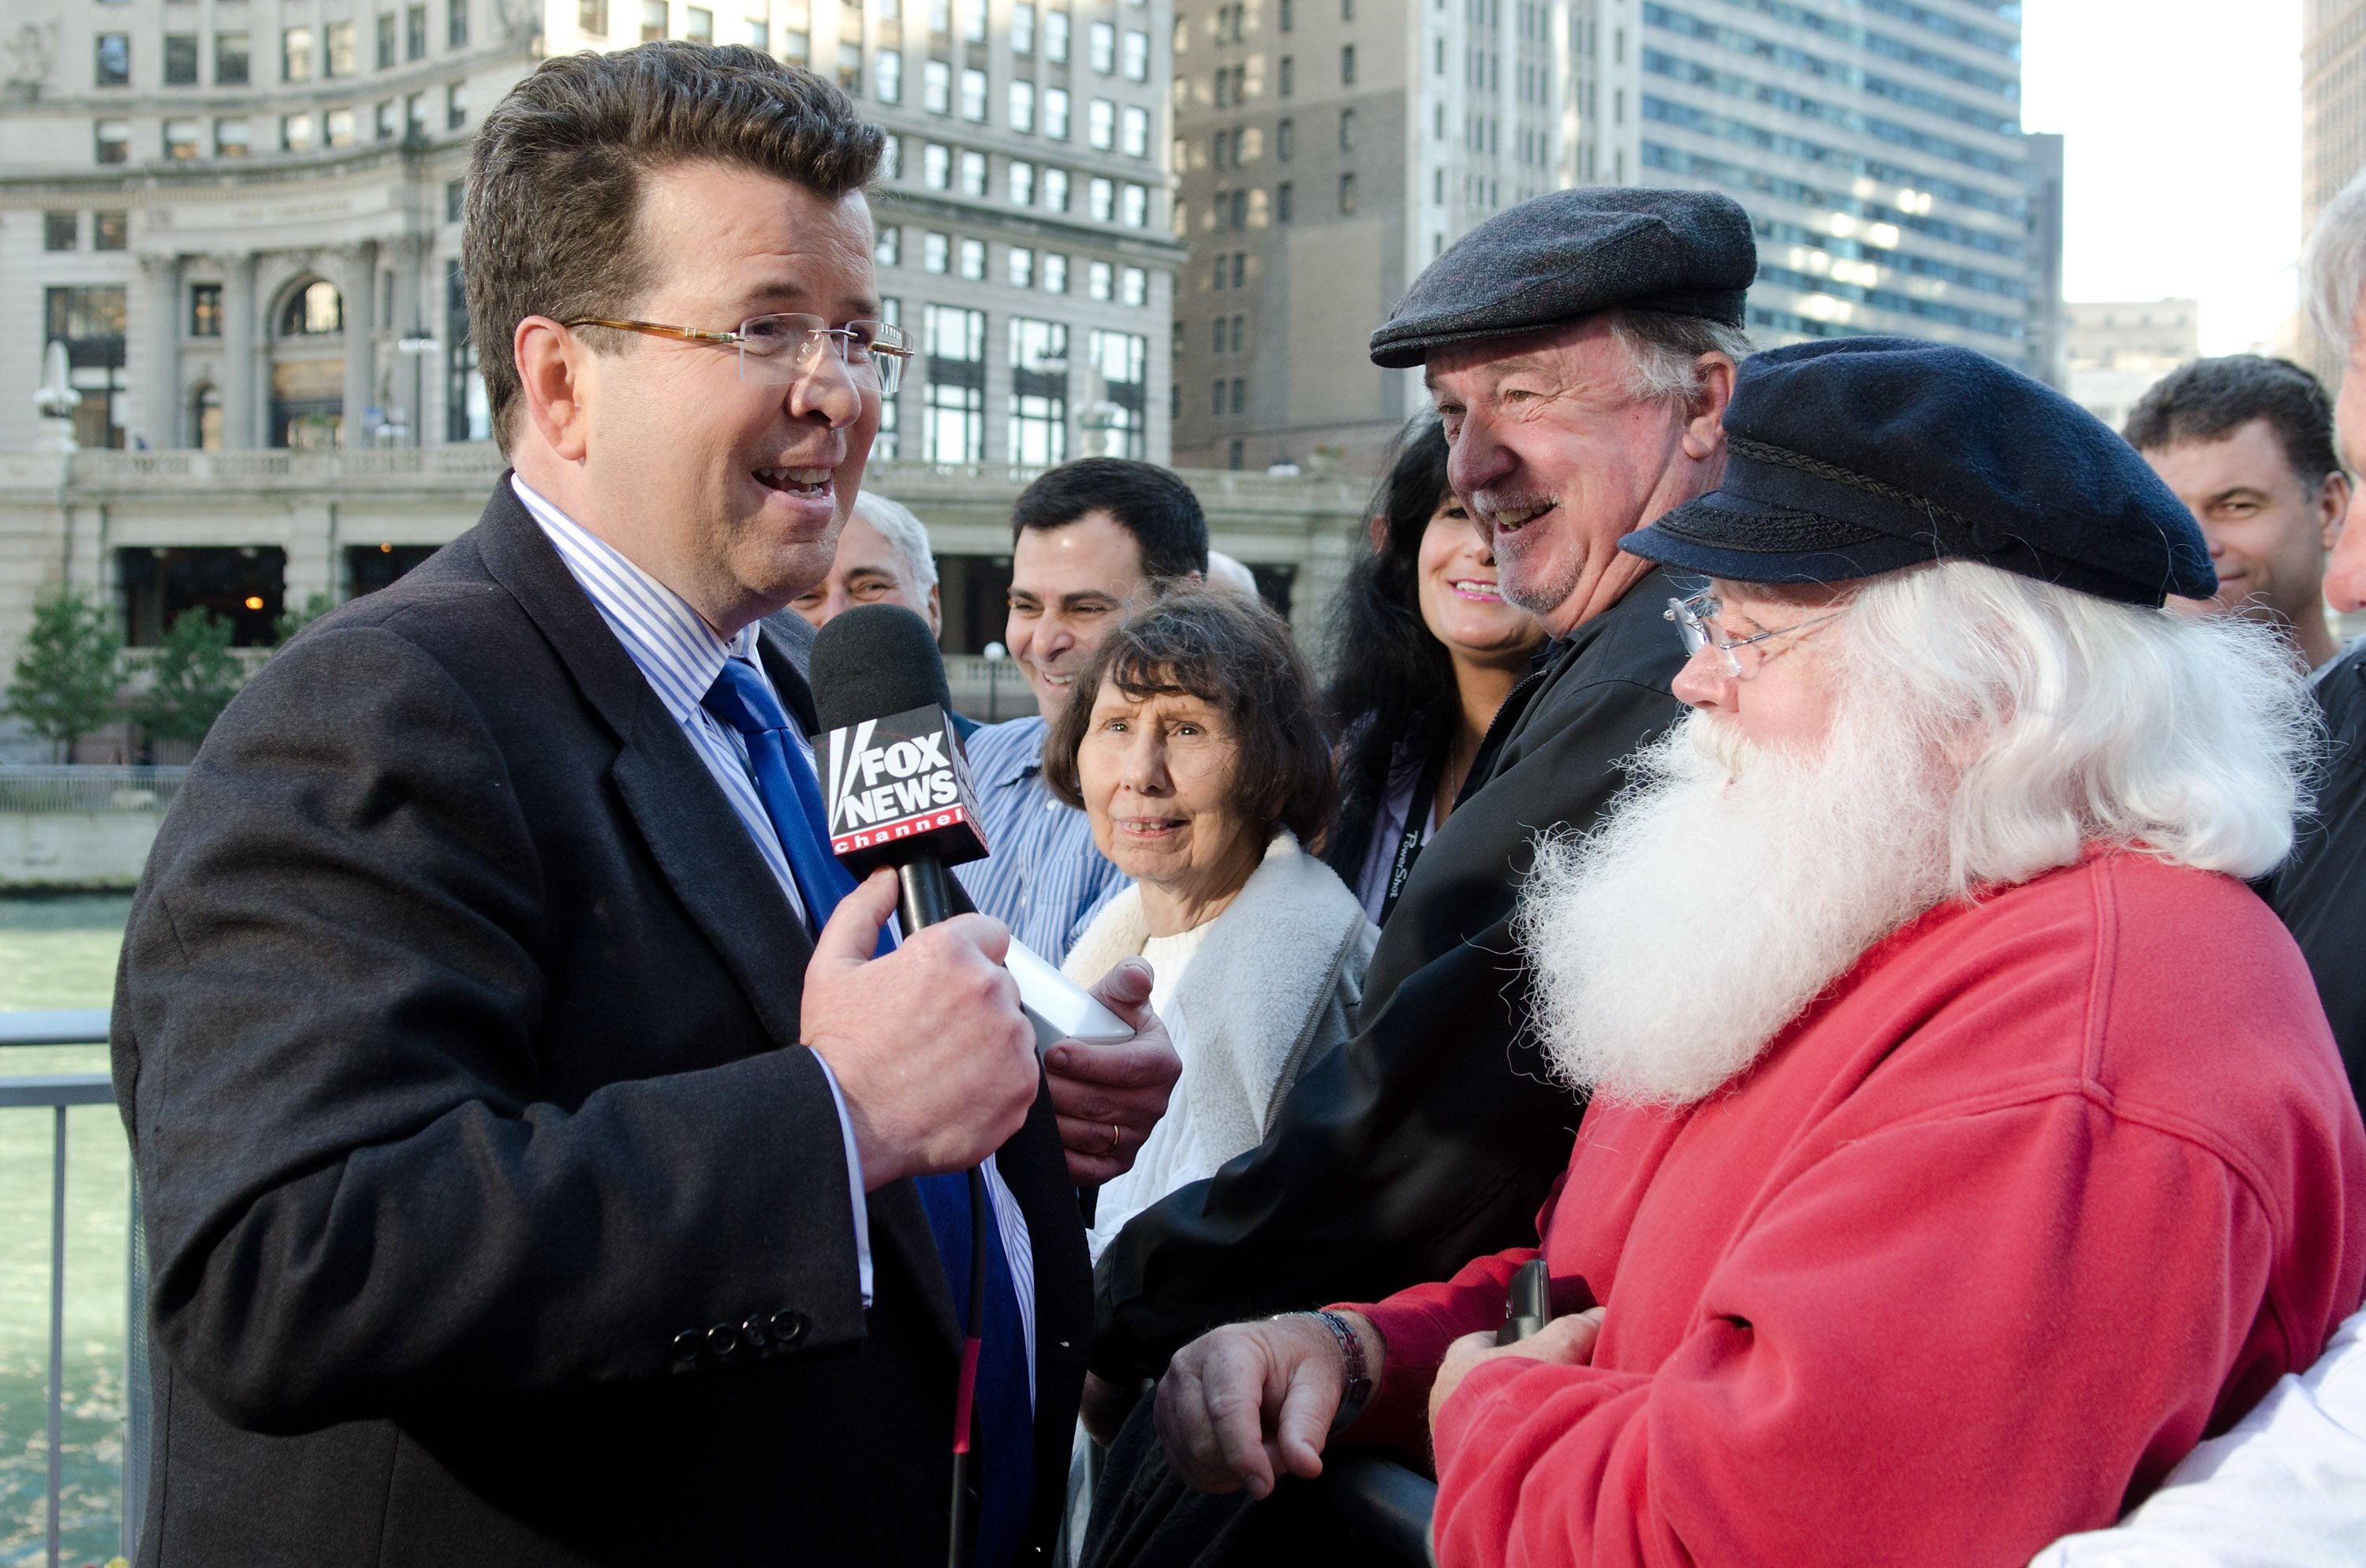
[1581, 350]
[527, 1182]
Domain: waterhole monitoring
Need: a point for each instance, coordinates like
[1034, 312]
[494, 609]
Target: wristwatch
[1359, 1376]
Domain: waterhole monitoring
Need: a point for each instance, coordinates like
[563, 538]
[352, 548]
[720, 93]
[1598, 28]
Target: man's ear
[2332, 506]
[551, 365]
[1704, 420]
[935, 611]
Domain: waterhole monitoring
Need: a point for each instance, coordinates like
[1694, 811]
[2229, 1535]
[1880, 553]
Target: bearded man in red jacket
[1965, 1139]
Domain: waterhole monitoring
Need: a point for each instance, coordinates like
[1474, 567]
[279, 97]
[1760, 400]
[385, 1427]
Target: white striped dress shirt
[681, 656]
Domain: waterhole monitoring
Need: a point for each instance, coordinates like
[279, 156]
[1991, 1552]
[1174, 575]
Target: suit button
[686, 1344]
[751, 1333]
[722, 1340]
[788, 1327]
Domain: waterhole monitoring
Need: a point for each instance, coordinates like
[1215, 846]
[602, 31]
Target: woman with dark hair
[1192, 745]
[1424, 650]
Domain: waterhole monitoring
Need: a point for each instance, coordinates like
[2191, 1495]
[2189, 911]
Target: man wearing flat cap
[1928, 1203]
[1582, 348]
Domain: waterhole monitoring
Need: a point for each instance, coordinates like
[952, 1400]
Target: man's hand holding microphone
[929, 1044]
[938, 1063]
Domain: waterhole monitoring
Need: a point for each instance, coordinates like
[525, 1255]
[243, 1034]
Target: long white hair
[1987, 729]
[2078, 721]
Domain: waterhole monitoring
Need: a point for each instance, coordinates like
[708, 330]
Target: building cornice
[135, 184]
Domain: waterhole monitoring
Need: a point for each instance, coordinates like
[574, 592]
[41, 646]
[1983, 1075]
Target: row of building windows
[1841, 72]
[1733, 85]
[1876, 43]
[1025, 183]
[108, 230]
[1238, 210]
[233, 136]
[1229, 85]
[2013, 205]
[951, 408]
[1873, 216]
[1107, 126]
[1890, 299]
[1782, 232]
[1231, 23]
[328, 52]
[1024, 266]
[1946, 26]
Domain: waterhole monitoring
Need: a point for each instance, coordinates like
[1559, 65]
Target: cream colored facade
[2118, 348]
[179, 178]
[78, 518]
[241, 220]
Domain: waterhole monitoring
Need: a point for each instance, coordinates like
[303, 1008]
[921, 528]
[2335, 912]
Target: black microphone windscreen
[874, 661]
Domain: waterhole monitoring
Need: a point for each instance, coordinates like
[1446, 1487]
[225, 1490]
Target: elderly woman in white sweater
[1193, 743]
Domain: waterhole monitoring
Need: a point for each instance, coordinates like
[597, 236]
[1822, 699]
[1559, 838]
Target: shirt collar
[676, 651]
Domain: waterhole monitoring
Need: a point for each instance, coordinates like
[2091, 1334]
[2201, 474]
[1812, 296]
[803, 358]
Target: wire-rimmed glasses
[1696, 621]
[786, 346]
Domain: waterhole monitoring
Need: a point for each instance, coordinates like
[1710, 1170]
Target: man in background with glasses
[540, 1166]
[1929, 1202]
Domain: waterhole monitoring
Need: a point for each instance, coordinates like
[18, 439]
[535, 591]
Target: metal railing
[56, 1093]
[83, 788]
[1381, 1502]
[988, 690]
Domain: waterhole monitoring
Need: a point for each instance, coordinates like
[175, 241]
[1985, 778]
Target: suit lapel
[1035, 1168]
[898, 1225]
[697, 839]
[714, 870]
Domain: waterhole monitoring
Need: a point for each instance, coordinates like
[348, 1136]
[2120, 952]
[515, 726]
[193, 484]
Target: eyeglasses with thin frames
[1740, 656]
[786, 346]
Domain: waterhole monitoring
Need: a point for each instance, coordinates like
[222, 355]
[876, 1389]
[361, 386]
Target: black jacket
[495, 1214]
[1433, 1135]
[2320, 892]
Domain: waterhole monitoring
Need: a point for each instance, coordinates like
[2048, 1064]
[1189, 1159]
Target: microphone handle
[924, 894]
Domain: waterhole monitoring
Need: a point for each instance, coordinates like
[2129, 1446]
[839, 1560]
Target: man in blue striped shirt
[1088, 541]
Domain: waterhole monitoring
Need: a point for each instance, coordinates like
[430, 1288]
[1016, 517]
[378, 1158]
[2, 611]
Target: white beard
[1727, 890]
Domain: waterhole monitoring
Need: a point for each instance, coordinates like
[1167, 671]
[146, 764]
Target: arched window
[312, 310]
[206, 417]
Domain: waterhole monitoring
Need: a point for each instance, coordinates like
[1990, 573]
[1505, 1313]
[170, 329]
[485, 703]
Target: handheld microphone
[895, 786]
[897, 791]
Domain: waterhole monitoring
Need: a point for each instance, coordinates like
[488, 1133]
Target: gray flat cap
[1569, 254]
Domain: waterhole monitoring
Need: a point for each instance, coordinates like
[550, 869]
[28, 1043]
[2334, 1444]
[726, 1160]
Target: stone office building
[239, 221]
[1328, 149]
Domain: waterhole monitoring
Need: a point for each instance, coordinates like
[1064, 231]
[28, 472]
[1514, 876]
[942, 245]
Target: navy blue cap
[1850, 456]
[1559, 258]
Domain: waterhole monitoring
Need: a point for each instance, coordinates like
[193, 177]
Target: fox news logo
[895, 778]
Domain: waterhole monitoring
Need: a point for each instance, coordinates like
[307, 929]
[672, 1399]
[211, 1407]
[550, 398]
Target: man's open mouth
[795, 481]
[1512, 519]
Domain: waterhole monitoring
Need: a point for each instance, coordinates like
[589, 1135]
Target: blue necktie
[742, 698]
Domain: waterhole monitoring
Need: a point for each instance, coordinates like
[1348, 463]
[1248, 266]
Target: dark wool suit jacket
[496, 1215]
[2321, 890]
[1433, 1135]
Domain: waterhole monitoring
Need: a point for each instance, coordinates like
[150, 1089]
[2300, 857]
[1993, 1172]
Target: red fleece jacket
[2045, 1189]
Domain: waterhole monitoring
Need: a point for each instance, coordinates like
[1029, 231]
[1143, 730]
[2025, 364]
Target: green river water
[59, 952]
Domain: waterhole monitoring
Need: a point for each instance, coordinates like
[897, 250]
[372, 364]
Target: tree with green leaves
[193, 677]
[290, 622]
[69, 671]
